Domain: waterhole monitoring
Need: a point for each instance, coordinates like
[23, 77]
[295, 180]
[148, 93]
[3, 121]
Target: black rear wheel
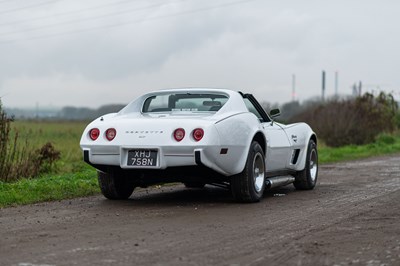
[307, 178]
[248, 186]
[114, 185]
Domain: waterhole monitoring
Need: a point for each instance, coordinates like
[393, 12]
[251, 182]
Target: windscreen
[184, 102]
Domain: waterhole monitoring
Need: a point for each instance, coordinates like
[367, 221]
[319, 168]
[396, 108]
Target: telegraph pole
[336, 83]
[323, 85]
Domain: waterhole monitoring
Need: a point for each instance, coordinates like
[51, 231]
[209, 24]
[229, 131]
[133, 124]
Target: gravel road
[351, 218]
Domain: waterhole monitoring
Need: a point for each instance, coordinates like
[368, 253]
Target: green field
[65, 137]
[73, 178]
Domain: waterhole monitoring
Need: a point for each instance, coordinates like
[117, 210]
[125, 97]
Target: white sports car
[197, 137]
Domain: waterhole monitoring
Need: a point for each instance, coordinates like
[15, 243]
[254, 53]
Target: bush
[352, 121]
[385, 139]
[45, 158]
[17, 161]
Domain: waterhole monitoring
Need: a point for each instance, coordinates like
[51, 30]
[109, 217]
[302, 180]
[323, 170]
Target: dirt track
[351, 218]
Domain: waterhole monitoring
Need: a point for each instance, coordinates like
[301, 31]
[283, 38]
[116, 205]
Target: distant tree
[268, 106]
[106, 109]
[290, 109]
[68, 112]
[84, 113]
[351, 121]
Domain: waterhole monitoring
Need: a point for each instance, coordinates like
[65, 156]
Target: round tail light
[94, 133]
[179, 134]
[198, 134]
[111, 133]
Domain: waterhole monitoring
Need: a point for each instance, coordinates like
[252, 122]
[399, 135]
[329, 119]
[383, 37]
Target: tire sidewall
[312, 146]
[115, 185]
[254, 150]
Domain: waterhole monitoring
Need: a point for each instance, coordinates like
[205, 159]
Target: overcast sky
[94, 52]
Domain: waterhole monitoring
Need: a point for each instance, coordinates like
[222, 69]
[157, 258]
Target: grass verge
[385, 144]
[49, 188]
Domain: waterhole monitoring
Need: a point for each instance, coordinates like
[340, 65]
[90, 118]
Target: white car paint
[233, 127]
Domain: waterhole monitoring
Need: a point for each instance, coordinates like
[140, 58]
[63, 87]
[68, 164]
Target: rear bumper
[208, 156]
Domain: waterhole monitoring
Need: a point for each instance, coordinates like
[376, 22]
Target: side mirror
[274, 113]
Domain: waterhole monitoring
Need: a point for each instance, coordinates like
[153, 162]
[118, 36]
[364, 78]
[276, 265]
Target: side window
[252, 109]
[156, 104]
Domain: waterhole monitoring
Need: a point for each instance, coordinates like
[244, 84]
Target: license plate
[142, 158]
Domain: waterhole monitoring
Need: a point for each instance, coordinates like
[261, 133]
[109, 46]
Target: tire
[249, 185]
[194, 184]
[307, 178]
[114, 185]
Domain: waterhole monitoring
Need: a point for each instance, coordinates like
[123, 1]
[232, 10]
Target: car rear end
[149, 143]
[162, 130]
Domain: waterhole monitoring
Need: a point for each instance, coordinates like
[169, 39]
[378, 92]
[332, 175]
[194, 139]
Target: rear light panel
[198, 134]
[111, 133]
[179, 134]
[94, 133]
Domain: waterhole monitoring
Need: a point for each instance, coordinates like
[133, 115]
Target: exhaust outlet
[278, 181]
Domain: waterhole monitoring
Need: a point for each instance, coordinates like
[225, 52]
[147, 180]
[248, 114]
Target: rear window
[184, 102]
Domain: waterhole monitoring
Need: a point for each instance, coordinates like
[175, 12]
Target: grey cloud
[115, 53]
[256, 45]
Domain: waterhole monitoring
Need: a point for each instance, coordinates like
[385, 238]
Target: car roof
[234, 104]
[193, 90]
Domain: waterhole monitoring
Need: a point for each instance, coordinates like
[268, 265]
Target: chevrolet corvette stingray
[199, 136]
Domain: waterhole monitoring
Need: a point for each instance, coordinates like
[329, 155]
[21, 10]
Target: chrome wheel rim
[313, 165]
[258, 172]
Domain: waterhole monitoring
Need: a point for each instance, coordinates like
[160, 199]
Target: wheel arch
[260, 138]
[242, 129]
[314, 137]
[302, 160]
